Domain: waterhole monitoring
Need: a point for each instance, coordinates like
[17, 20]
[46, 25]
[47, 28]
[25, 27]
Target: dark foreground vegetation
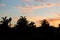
[29, 30]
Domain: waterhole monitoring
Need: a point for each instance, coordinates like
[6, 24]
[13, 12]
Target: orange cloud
[57, 4]
[55, 22]
[53, 19]
[2, 4]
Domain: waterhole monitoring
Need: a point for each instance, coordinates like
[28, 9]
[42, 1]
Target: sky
[34, 10]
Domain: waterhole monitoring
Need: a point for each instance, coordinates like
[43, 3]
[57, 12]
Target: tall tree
[4, 26]
[22, 24]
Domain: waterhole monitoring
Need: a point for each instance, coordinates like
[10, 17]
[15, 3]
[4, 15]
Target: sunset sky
[34, 10]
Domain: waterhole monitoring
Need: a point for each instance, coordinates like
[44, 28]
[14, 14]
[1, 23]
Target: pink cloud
[2, 4]
[37, 7]
[29, 9]
[26, 1]
[40, 0]
[58, 14]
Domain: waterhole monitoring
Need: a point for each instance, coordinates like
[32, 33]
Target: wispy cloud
[2, 4]
[40, 0]
[58, 14]
[26, 0]
[40, 6]
[29, 9]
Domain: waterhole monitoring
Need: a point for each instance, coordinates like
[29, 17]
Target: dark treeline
[29, 30]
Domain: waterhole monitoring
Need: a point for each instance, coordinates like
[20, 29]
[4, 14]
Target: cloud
[24, 10]
[54, 21]
[58, 14]
[57, 4]
[40, 0]
[39, 6]
[2, 4]
[26, 0]
[27, 10]
[30, 9]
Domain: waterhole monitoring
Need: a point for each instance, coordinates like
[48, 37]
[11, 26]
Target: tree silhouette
[32, 27]
[32, 24]
[29, 30]
[4, 28]
[59, 30]
[22, 25]
[5, 21]
[46, 30]
[59, 25]
[22, 21]
[45, 23]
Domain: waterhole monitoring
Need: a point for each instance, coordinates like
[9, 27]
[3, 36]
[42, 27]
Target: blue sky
[8, 7]
[42, 8]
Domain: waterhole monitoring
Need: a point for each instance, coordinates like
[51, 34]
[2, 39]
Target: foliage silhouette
[29, 30]
[45, 23]
[4, 27]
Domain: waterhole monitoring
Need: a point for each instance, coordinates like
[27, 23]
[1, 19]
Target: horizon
[52, 21]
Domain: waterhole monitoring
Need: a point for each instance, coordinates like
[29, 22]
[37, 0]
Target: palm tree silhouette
[4, 28]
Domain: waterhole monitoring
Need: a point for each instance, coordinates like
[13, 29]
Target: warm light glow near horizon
[53, 21]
